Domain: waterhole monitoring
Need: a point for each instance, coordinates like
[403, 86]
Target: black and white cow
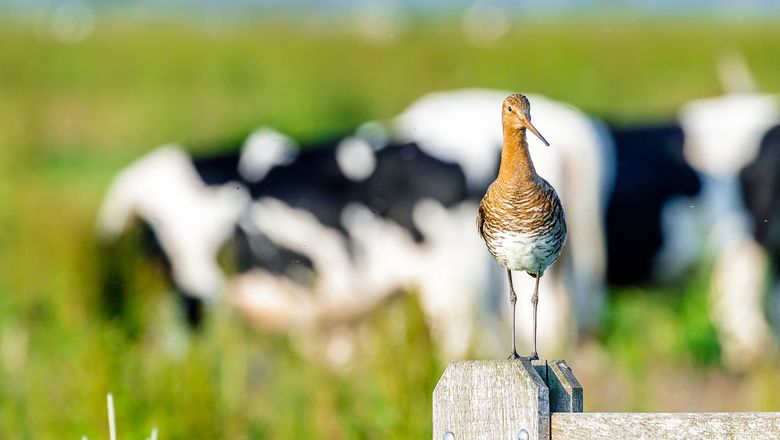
[722, 137]
[678, 199]
[334, 189]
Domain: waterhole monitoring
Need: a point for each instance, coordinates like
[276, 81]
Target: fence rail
[665, 426]
[543, 400]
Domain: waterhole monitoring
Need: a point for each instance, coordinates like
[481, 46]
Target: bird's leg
[513, 301]
[534, 302]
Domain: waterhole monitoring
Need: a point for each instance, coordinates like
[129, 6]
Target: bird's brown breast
[521, 220]
[532, 209]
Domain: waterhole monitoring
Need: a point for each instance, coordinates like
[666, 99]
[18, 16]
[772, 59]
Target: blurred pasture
[73, 114]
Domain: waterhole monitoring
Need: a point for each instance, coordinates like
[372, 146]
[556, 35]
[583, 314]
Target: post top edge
[521, 368]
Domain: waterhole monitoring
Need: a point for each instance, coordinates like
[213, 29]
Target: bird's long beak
[527, 123]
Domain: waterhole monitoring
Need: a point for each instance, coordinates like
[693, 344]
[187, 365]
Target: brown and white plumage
[521, 218]
[523, 228]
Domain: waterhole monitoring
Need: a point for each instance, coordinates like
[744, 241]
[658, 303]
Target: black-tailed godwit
[521, 218]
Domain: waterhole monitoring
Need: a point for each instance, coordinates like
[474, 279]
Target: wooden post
[520, 400]
[502, 399]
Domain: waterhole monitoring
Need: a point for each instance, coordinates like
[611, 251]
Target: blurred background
[251, 218]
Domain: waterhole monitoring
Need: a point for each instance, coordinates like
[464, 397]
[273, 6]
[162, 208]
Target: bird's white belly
[525, 252]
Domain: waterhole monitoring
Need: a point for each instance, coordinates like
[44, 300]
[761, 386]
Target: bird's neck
[516, 165]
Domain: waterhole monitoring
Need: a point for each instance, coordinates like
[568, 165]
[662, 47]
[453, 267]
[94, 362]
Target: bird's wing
[481, 221]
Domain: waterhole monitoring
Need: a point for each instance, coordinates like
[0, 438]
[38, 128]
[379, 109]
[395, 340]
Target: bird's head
[516, 114]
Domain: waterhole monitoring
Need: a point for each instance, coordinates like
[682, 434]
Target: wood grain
[672, 426]
[491, 400]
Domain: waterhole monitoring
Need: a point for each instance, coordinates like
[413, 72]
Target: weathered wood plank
[491, 400]
[541, 369]
[636, 426]
[565, 389]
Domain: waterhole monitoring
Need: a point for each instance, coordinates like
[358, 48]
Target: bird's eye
[509, 108]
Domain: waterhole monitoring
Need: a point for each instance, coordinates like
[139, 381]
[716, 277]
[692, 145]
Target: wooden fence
[543, 400]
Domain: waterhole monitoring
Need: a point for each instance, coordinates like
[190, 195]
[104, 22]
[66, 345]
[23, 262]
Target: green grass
[642, 326]
[72, 115]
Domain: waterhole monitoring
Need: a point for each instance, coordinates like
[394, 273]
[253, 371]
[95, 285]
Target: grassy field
[72, 115]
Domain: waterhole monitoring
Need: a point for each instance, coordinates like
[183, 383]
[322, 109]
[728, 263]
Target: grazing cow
[677, 198]
[722, 137]
[339, 216]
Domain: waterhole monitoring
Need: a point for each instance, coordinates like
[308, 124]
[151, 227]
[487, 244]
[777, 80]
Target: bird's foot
[516, 357]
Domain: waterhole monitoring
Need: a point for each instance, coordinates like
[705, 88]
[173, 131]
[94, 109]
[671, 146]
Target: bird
[520, 218]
